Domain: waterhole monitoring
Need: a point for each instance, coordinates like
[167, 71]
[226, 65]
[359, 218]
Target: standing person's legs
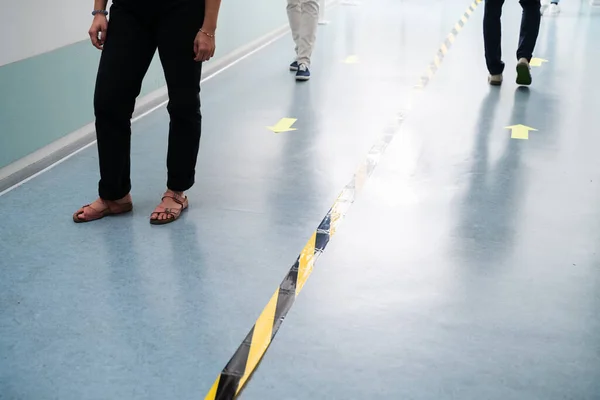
[530, 27]
[126, 56]
[294, 13]
[492, 37]
[177, 30]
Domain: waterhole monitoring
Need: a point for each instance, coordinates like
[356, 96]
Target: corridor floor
[466, 267]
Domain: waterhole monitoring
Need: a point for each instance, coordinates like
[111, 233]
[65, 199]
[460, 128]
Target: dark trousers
[492, 32]
[135, 30]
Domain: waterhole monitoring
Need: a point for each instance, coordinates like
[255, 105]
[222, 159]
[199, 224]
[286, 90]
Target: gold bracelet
[210, 35]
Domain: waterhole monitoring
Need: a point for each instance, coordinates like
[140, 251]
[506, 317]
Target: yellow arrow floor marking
[537, 62]
[351, 59]
[520, 131]
[284, 125]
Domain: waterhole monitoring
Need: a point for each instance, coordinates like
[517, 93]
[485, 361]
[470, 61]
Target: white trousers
[304, 18]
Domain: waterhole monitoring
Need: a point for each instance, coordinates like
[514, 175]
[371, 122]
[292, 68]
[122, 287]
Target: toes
[81, 216]
[164, 216]
[159, 216]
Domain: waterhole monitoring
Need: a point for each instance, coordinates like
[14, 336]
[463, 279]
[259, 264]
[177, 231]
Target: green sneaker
[523, 72]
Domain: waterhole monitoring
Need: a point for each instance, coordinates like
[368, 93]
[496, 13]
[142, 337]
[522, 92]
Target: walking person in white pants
[304, 18]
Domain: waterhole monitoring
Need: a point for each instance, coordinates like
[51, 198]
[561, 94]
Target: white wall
[31, 27]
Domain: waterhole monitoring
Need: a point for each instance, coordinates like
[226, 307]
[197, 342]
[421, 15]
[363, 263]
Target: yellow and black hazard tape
[443, 50]
[246, 358]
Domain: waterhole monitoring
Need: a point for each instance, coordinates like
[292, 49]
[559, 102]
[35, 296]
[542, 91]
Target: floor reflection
[490, 207]
[291, 193]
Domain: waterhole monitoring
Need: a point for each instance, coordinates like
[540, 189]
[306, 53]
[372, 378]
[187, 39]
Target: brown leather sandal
[112, 208]
[172, 213]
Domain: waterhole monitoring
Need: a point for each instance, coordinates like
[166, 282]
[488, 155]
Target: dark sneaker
[523, 72]
[294, 66]
[303, 73]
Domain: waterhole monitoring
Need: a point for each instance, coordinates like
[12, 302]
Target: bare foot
[170, 208]
[101, 208]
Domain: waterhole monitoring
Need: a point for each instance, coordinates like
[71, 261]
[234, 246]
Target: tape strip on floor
[246, 358]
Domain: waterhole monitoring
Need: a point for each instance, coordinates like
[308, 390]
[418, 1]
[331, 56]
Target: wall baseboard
[44, 158]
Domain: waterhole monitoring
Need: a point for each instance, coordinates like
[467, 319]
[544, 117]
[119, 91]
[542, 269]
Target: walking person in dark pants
[492, 33]
[183, 31]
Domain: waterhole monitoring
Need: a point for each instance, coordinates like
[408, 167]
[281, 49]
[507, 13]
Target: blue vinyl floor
[469, 267]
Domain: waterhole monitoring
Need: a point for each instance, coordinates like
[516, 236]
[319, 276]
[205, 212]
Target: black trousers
[492, 32]
[136, 29]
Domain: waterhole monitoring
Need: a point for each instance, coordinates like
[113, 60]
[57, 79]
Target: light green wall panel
[45, 97]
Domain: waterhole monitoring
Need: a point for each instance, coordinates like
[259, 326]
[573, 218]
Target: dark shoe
[523, 72]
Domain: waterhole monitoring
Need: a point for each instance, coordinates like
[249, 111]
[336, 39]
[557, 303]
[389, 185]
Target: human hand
[204, 46]
[97, 31]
